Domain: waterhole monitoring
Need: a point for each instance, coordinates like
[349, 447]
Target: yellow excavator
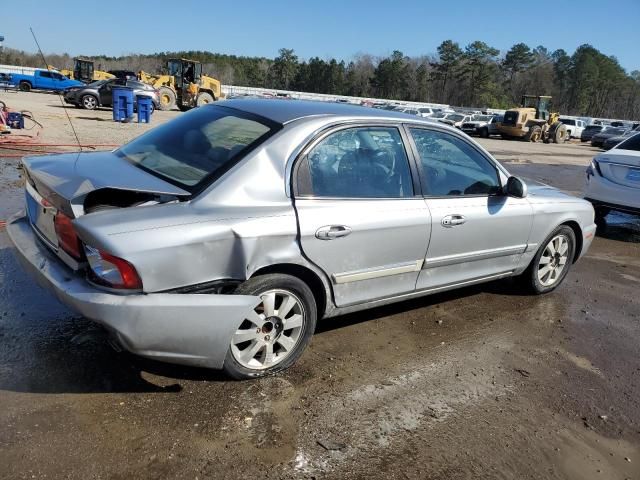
[183, 85]
[84, 71]
[533, 121]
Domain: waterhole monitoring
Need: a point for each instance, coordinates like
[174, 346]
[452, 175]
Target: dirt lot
[479, 383]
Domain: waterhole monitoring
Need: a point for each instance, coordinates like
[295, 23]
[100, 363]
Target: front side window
[368, 162]
[197, 146]
[452, 167]
[632, 143]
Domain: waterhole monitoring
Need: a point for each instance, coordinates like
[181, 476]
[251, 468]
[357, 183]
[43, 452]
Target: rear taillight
[67, 237]
[112, 271]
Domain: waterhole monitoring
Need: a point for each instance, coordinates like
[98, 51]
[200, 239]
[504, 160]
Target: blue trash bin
[122, 103]
[145, 108]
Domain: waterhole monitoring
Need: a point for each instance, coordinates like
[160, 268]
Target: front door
[359, 218]
[477, 231]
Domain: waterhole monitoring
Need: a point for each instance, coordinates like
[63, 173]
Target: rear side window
[368, 162]
[632, 143]
[452, 167]
[45, 74]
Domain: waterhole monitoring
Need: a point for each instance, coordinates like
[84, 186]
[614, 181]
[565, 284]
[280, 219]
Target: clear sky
[327, 28]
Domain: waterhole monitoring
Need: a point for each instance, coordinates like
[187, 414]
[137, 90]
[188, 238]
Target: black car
[100, 93]
[598, 139]
[589, 131]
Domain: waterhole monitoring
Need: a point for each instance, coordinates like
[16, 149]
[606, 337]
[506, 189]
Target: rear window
[632, 143]
[594, 127]
[197, 147]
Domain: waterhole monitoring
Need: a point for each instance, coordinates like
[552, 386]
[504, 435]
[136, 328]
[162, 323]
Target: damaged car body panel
[205, 242]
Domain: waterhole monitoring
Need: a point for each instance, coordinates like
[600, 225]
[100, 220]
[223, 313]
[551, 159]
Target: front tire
[89, 102]
[204, 99]
[278, 330]
[552, 261]
[484, 133]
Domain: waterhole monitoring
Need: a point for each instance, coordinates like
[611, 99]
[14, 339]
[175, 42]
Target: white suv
[613, 179]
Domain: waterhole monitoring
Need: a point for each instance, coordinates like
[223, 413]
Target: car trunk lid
[621, 167]
[60, 183]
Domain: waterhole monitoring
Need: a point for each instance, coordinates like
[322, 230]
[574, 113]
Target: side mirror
[516, 188]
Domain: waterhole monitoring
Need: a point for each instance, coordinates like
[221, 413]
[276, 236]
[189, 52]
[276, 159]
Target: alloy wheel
[553, 260]
[271, 332]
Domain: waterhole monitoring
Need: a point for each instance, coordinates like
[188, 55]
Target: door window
[45, 74]
[452, 167]
[369, 162]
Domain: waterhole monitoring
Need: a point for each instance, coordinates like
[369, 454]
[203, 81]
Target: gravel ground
[479, 383]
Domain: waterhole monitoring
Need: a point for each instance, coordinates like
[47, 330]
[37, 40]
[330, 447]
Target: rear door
[477, 232]
[359, 218]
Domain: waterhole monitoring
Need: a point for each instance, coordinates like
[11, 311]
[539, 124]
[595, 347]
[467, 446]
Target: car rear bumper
[599, 190]
[192, 329]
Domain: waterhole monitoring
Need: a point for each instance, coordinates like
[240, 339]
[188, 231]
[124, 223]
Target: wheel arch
[575, 226]
[305, 274]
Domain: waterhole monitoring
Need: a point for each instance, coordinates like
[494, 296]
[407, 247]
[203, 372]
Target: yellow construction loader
[533, 121]
[84, 71]
[183, 85]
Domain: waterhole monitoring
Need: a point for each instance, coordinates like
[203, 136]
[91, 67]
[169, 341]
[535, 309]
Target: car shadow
[98, 119]
[621, 227]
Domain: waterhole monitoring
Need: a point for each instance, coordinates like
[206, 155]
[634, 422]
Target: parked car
[589, 131]
[219, 238]
[613, 179]
[409, 110]
[100, 93]
[611, 142]
[40, 79]
[426, 111]
[575, 127]
[482, 125]
[455, 119]
[598, 139]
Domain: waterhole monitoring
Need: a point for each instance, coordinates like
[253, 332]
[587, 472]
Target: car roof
[286, 111]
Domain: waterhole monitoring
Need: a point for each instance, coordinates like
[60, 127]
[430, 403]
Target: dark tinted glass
[361, 163]
[632, 143]
[451, 167]
[195, 146]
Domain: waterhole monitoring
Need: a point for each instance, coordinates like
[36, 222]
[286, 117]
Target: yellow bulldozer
[183, 85]
[533, 121]
[84, 71]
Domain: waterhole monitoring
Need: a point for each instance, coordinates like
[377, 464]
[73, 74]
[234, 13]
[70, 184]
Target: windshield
[439, 115]
[615, 130]
[455, 117]
[97, 83]
[197, 146]
[482, 118]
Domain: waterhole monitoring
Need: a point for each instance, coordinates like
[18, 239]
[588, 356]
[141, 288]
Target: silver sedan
[220, 238]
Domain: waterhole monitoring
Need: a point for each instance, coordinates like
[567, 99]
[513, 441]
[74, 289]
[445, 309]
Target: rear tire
[24, 86]
[167, 98]
[263, 337]
[551, 263]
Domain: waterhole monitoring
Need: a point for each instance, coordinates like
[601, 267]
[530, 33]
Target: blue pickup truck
[40, 79]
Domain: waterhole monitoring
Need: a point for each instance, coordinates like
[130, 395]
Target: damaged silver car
[218, 239]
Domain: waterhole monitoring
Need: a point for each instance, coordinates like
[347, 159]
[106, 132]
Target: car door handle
[453, 220]
[331, 232]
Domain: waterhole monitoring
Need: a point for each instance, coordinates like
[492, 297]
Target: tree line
[586, 83]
